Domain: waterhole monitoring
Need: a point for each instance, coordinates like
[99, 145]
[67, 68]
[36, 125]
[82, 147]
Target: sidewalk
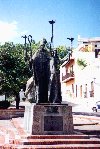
[14, 128]
[81, 105]
[89, 125]
[82, 123]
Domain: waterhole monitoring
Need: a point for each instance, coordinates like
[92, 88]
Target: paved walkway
[89, 125]
[81, 105]
[15, 127]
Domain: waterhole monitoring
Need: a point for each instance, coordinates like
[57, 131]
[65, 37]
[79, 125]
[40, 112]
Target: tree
[62, 51]
[82, 63]
[14, 71]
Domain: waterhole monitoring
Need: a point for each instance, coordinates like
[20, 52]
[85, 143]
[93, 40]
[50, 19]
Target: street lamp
[71, 39]
[29, 37]
[52, 23]
[25, 49]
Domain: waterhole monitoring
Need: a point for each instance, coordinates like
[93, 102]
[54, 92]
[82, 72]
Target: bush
[4, 104]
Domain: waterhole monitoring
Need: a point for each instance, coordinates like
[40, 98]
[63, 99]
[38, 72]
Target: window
[71, 69]
[97, 52]
[85, 42]
[92, 86]
[76, 90]
[81, 91]
[72, 88]
[85, 93]
[92, 90]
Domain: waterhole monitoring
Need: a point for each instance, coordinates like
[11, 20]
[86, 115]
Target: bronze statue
[46, 75]
[41, 72]
[54, 84]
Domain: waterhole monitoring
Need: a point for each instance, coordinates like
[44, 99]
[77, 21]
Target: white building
[78, 82]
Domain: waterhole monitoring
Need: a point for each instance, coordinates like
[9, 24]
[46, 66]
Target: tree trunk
[17, 98]
[5, 96]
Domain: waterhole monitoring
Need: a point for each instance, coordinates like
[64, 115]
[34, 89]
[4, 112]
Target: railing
[68, 76]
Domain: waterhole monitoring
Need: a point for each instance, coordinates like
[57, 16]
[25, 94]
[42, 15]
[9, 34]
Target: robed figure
[41, 72]
[46, 75]
[54, 83]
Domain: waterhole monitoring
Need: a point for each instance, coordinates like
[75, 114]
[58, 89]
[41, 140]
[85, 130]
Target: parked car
[96, 107]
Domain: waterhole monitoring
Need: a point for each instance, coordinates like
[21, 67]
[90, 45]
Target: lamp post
[52, 23]
[29, 37]
[71, 39]
[30, 42]
[25, 50]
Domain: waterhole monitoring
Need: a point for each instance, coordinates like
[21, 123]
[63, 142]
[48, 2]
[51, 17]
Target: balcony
[68, 61]
[68, 77]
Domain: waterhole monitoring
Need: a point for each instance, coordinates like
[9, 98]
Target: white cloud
[8, 31]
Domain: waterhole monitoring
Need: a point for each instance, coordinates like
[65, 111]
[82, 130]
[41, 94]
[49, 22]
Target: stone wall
[11, 113]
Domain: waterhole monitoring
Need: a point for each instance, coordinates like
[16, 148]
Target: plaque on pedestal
[53, 123]
[45, 119]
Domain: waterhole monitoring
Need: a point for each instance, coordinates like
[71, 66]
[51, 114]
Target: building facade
[80, 74]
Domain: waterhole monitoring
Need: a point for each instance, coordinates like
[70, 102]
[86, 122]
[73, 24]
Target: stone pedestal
[50, 119]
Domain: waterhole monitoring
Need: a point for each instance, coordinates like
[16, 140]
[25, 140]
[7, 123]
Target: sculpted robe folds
[41, 72]
[46, 76]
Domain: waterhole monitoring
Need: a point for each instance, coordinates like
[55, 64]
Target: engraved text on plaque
[53, 123]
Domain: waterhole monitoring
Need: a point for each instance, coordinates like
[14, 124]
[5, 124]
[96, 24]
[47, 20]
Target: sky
[30, 17]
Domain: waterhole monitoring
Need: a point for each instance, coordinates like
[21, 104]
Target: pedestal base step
[74, 136]
[55, 142]
[60, 146]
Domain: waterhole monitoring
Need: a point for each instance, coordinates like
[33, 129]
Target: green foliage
[14, 72]
[35, 46]
[62, 51]
[82, 63]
